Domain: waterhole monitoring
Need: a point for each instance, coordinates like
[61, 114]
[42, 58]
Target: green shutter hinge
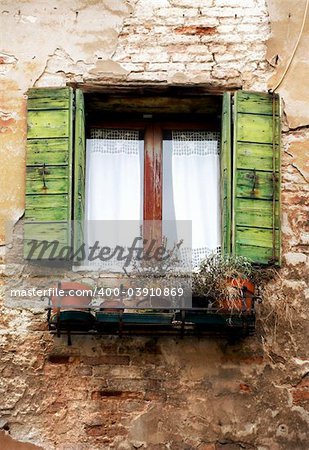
[43, 172]
[255, 179]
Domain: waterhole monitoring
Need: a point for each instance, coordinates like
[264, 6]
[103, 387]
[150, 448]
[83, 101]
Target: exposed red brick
[9, 372]
[59, 359]
[56, 407]
[40, 326]
[101, 431]
[153, 384]
[97, 430]
[69, 394]
[300, 395]
[207, 447]
[245, 388]
[196, 30]
[116, 395]
[250, 360]
[294, 198]
[155, 395]
[228, 446]
[304, 383]
[84, 371]
[106, 359]
[109, 346]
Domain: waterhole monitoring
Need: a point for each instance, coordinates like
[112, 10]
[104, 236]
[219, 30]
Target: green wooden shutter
[49, 171]
[256, 177]
[79, 174]
[226, 182]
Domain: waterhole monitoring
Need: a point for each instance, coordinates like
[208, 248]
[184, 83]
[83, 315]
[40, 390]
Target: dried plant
[157, 267]
[210, 280]
[277, 308]
[156, 273]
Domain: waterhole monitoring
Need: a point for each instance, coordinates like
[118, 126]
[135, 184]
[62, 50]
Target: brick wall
[135, 393]
[217, 42]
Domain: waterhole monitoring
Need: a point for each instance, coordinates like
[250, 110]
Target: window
[183, 186]
[158, 157]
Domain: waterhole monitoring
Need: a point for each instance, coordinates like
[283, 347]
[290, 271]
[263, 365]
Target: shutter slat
[49, 236]
[47, 98]
[254, 184]
[258, 237]
[255, 213]
[254, 155]
[256, 102]
[47, 207]
[254, 253]
[256, 177]
[49, 168]
[49, 231]
[48, 151]
[49, 124]
[56, 180]
[260, 129]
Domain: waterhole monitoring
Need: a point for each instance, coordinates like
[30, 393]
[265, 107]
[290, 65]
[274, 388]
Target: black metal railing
[122, 321]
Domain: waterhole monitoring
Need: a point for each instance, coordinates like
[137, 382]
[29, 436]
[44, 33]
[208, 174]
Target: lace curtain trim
[200, 143]
[109, 141]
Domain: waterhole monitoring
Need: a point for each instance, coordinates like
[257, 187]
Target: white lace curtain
[191, 187]
[114, 190]
[191, 181]
[114, 186]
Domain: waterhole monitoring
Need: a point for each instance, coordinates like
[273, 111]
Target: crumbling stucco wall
[286, 20]
[157, 393]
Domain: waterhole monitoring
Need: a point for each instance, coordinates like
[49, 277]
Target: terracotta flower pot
[242, 304]
[111, 305]
[69, 295]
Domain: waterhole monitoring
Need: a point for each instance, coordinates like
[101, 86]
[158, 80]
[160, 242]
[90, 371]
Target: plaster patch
[7, 62]
[298, 149]
[8, 443]
[285, 25]
[7, 59]
[25, 19]
[7, 121]
[60, 68]
[108, 66]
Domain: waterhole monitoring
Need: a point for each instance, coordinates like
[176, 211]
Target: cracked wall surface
[205, 394]
[52, 44]
[286, 19]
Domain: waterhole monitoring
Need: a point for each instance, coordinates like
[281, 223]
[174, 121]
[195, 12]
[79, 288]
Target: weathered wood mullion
[153, 173]
[226, 175]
